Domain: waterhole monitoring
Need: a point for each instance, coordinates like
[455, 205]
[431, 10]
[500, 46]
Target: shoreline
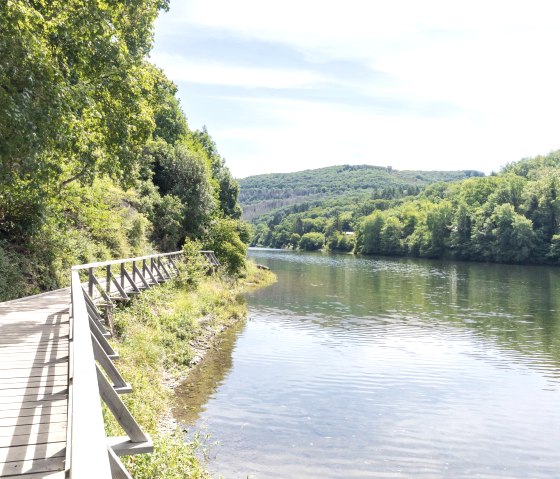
[162, 336]
[206, 343]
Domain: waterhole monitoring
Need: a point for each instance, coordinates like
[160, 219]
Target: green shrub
[312, 241]
[12, 281]
[225, 238]
[195, 265]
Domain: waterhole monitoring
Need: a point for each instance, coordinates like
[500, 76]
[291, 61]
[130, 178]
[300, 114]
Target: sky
[434, 85]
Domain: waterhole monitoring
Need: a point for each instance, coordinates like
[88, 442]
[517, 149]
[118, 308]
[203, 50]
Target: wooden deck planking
[33, 408]
[39, 361]
[34, 386]
[17, 383]
[40, 438]
[47, 464]
[53, 409]
[42, 475]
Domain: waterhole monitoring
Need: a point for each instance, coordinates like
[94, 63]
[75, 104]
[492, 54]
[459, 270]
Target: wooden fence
[96, 287]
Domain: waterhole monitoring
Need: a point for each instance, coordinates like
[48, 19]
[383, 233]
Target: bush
[225, 238]
[341, 242]
[11, 277]
[311, 241]
[195, 265]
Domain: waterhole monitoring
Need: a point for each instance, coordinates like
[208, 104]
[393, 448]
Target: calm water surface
[386, 368]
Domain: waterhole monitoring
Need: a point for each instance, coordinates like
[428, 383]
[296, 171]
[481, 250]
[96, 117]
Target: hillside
[263, 193]
[509, 217]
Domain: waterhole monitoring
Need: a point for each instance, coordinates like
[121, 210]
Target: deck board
[34, 386]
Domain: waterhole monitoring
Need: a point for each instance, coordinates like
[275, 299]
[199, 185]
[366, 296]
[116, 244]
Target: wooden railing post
[108, 284]
[90, 282]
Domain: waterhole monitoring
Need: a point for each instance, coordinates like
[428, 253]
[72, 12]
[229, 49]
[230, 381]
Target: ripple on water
[390, 369]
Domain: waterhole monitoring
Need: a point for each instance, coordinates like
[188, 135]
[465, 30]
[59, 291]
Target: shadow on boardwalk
[34, 385]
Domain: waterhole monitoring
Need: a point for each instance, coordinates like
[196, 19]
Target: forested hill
[510, 217]
[263, 193]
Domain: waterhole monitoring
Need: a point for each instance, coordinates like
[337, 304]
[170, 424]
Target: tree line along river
[385, 368]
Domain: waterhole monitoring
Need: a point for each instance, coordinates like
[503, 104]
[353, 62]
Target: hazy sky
[289, 85]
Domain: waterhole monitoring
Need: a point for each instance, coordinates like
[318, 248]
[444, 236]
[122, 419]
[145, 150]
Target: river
[385, 368]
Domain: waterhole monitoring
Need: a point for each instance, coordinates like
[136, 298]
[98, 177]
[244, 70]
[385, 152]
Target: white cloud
[365, 27]
[311, 135]
[494, 63]
[213, 73]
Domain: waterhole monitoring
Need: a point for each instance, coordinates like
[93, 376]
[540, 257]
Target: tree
[461, 230]
[228, 188]
[542, 203]
[372, 227]
[312, 241]
[224, 237]
[513, 233]
[228, 193]
[167, 221]
[183, 173]
[438, 221]
[75, 98]
[390, 236]
[294, 240]
[170, 122]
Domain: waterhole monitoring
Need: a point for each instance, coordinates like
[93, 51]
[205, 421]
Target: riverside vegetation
[160, 336]
[512, 216]
[97, 160]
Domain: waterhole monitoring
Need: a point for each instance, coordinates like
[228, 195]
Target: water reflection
[516, 306]
[357, 367]
[205, 378]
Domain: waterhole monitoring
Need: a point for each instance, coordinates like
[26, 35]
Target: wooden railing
[92, 372]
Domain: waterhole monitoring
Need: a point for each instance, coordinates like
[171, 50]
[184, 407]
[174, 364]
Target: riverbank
[160, 337]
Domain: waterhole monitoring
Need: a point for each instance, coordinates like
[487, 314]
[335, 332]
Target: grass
[158, 336]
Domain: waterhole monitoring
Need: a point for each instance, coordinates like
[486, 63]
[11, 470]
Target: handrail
[127, 260]
[89, 452]
[88, 446]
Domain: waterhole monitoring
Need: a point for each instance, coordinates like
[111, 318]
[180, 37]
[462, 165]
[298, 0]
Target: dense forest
[97, 160]
[323, 204]
[512, 217]
[261, 194]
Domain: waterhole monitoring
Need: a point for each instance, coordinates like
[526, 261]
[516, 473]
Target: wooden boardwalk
[34, 385]
[55, 370]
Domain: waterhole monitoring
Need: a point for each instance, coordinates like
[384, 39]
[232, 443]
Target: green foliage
[167, 221]
[83, 114]
[225, 238]
[371, 231]
[438, 222]
[512, 217]
[262, 194]
[75, 95]
[195, 265]
[514, 238]
[184, 173]
[312, 241]
[391, 234]
[342, 242]
[346, 195]
[173, 458]
[12, 274]
[170, 122]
